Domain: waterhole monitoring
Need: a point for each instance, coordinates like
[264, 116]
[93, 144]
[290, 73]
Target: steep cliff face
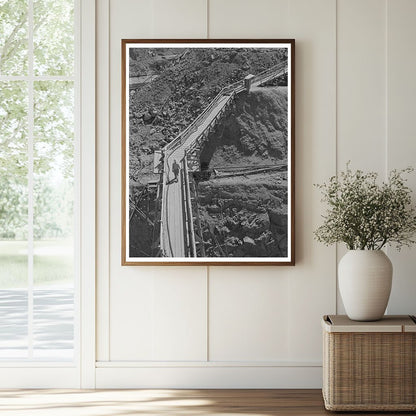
[246, 215]
[253, 133]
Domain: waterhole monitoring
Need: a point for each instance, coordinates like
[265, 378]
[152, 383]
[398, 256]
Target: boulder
[256, 225]
[232, 242]
[213, 209]
[249, 241]
[147, 117]
[278, 219]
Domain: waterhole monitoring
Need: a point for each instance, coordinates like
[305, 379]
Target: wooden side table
[369, 366]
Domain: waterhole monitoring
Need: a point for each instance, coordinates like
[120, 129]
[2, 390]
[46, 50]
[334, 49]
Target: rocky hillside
[246, 216]
[253, 133]
[177, 84]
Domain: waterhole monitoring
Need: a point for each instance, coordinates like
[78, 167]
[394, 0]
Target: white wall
[254, 326]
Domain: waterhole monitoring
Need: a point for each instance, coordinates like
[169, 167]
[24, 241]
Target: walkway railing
[188, 210]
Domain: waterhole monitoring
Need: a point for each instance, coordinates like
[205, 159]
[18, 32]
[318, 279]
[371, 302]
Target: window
[38, 184]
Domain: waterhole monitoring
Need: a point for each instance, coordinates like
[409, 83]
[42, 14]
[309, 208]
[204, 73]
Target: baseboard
[209, 377]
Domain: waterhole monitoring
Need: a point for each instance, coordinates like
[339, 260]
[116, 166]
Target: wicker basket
[369, 366]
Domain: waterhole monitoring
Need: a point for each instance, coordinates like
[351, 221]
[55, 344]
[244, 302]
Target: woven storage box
[369, 366]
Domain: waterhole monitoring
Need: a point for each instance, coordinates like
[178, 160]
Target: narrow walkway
[172, 220]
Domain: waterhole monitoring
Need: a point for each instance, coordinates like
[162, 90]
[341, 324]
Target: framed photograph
[208, 136]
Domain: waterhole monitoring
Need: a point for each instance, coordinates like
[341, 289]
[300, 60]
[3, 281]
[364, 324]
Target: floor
[164, 402]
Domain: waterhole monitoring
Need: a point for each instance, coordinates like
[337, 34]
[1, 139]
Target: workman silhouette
[175, 169]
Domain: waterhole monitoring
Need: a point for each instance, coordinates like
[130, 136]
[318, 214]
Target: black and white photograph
[208, 152]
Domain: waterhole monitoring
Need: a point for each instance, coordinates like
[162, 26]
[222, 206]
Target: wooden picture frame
[208, 152]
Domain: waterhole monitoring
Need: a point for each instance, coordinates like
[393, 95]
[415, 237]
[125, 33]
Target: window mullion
[30, 178]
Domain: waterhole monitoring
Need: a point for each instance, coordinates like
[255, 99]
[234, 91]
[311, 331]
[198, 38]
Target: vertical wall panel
[159, 315]
[248, 309]
[361, 84]
[246, 19]
[179, 324]
[312, 281]
[361, 89]
[312, 24]
[179, 19]
[131, 315]
[248, 314]
[140, 328]
[401, 143]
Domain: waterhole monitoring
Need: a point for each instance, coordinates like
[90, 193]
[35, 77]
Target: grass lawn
[52, 263]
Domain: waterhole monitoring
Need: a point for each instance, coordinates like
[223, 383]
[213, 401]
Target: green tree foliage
[53, 37]
[13, 209]
[13, 159]
[54, 127]
[53, 119]
[53, 209]
[13, 37]
[13, 129]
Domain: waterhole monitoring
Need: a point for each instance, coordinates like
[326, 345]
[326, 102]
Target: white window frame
[87, 301]
[81, 371]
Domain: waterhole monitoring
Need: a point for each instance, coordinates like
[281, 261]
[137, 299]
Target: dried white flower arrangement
[366, 215]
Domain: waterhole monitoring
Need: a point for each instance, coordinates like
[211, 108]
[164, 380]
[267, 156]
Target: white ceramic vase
[364, 278]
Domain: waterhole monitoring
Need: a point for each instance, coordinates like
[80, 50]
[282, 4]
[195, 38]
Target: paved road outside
[53, 323]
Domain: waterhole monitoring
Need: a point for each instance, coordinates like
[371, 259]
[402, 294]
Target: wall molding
[208, 377]
[204, 364]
